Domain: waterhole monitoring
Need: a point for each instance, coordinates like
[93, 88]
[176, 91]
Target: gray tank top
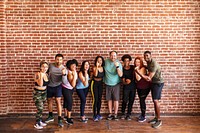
[55, 75]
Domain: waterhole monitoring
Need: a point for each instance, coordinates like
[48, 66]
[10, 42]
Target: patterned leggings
[39, 98]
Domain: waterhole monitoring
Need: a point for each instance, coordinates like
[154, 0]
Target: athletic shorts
[54, 91]
[156, 89]
[113, 92]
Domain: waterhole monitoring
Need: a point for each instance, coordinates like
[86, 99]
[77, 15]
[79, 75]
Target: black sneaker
[69, 121]
[115, 117]
[157, 124]
[153, 121]
[128, 117]
[60, 123]
[49, 119]
[123, 116]
[110, 117]
[141, 118]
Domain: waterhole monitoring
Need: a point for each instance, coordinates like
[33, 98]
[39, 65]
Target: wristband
[117, 66]
[64, 74]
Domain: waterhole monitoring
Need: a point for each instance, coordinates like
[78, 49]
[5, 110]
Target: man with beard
[54, 88]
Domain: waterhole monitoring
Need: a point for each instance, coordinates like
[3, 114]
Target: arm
[72, 77]
[83, 79]
[39, 78]
[142, 74]
[119, 69]
[95, 71]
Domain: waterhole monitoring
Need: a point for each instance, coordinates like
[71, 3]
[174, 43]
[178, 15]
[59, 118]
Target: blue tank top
[80, 85]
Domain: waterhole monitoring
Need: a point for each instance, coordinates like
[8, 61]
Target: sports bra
[45, 83]
[100, 74]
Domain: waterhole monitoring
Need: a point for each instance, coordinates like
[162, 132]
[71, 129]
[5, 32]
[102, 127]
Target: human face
[86, 66]
[126, 62]
[147, 57]
[73, 67]
[113, 56]
[44, 68]
[59, 61]
[137, 63]
[99, 60]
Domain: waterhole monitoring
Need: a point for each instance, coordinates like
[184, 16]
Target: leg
[110, 106]
[70, 102]
[131, 100]
[125, 100]
[94, 90]
[82, 97]
[116, 106]
[100, 91]
[39, 105]
[142, 94]
[59, 107]
[116, 97]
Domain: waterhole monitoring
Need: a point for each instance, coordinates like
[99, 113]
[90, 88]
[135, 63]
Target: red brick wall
[37, 30]
[3, 62]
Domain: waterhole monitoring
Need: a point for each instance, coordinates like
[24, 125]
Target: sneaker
[65, 118]
[123, 116]
[128, 117]
[49, 119]
[37, 126]
[110, 117]
[142, 119]
[157, 124]
[60, 123]
[42, 124]
[95, 118]
[99, 117]
[115, 117]
[83, 120]
[69, 121]
[153, 121]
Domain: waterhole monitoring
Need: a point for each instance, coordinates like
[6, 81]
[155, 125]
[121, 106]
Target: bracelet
[64, 74]
[117, 66]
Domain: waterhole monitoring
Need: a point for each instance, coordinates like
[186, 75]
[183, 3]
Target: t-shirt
[111, 77]
[128, 74]
[153, 66]
[55, 75]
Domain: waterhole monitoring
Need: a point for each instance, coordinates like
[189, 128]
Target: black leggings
[142, 94]
[128, 97]
[68, 99]
[96, 89]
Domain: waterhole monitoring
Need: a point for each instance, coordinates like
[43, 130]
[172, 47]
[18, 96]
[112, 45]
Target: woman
[69, 82]
[129, 89]
[142, 87]
[97, 86]
[82, 87]
[40, 93]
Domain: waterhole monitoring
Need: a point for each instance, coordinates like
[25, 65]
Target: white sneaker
[42, 124]
[37, 126]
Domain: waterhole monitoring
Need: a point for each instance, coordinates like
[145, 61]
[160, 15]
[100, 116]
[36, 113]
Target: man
[113, 72]
[54, 88]
[154, 75]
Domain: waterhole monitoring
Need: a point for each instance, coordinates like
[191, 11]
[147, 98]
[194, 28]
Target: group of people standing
[56, 80]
